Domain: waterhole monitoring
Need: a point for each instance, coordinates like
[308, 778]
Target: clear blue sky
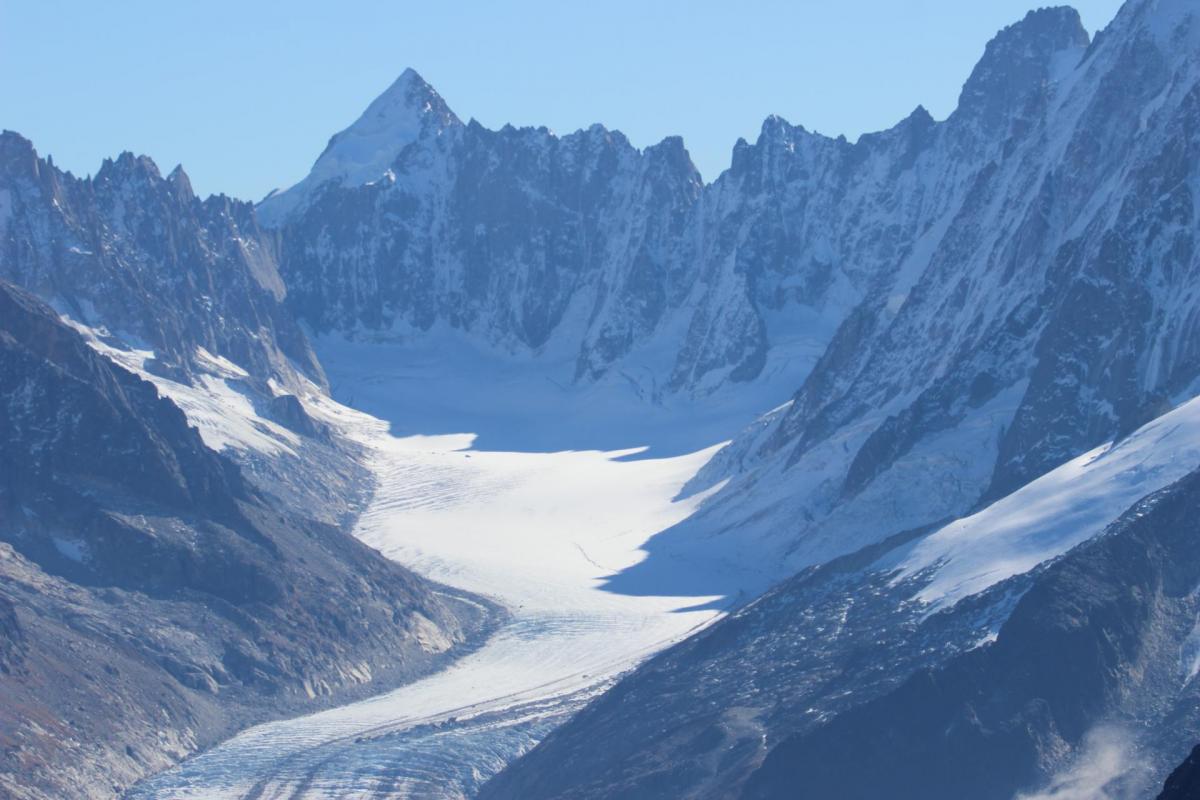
[246, 94]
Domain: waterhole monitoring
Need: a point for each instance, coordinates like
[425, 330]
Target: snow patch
[895, 302]
[1189, 654]
[224, 416]
[1047, 517]
[72, 549]
[365, 152]
[219, 365]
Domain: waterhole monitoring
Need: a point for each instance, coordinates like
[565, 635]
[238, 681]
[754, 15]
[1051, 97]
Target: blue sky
[245, 94]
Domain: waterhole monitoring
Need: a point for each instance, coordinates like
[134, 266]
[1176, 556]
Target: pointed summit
[1019, 62]
[409, 110]
[409, 92]
[17, 156]
[180, 184]
[127, 167]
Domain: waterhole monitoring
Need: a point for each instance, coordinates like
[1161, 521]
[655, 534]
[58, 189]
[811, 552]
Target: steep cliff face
[152, 601]
[531, 242]
[187, 293]
[143, 257]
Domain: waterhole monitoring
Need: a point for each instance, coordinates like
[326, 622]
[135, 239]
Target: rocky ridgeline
[141, 256]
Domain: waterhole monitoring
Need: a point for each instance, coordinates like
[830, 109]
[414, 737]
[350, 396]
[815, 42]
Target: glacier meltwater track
[534, 531]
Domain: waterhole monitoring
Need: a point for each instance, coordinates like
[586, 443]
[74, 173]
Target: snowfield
[536, 531]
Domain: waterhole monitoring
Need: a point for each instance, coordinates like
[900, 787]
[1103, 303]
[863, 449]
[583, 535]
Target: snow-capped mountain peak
[410, 109]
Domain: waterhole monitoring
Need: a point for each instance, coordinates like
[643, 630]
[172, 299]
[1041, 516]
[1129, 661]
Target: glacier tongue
[538, 531]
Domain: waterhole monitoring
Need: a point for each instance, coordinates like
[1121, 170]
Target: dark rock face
[837, 668]
[1095, 640]
[1184, 782]
[1009, 87]
[698, 719]
[12, 639]
[508, 234]
[288, 411]
[153, 602]
[71, 414]
[140, 255]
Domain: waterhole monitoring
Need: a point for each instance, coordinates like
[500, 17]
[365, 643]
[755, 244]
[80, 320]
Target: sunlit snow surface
[1050, 515]
[536, 531]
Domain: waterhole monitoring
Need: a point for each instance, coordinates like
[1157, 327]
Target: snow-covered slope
[1055, 512]
[1050, 310]
[364, 152]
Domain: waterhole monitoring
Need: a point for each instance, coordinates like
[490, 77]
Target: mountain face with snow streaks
[1048, 309]
[919, 282]
[848, 638]
[141, 256]
[1101, 640]
[583, 249]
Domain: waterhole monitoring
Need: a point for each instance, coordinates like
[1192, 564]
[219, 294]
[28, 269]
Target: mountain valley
[511, 464]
